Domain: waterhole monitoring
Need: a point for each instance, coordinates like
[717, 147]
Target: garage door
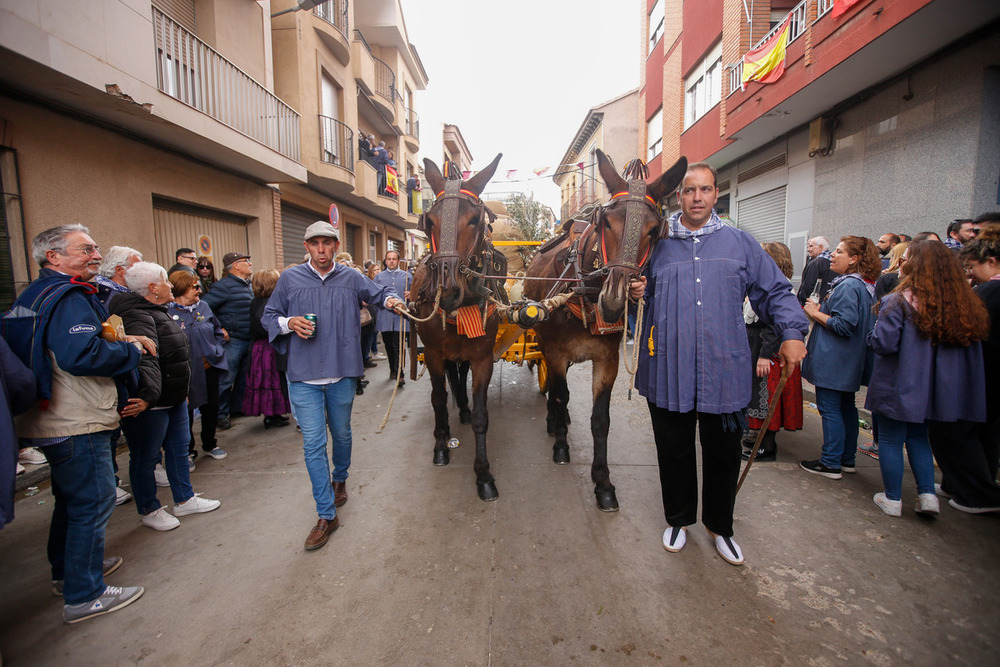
[763, 215]
[210, 233]
[294, 221]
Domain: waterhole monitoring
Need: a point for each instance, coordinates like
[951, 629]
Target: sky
[518, 77]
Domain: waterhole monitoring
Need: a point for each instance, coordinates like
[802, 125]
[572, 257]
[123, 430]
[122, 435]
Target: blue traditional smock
[696, 283]
[335, 351]
[398, 280]
[208, 344]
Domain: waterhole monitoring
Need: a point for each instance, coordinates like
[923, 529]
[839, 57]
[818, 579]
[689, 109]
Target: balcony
[799, 18]
[411, 130]
[334, 27]
[579, 200]
[336, 143]
[197, 75]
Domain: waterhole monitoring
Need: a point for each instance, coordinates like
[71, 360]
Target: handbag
[366, 317]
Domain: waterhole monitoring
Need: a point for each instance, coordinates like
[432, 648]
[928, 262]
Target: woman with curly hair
[764, 344]
[839, 360]
[928, 382]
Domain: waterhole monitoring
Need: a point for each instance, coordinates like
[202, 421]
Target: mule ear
[668, 180]
[433, 175]
[478, 182]
[610, 175]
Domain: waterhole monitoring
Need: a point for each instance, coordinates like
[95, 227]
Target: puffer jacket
[163, 380]
[230, 301]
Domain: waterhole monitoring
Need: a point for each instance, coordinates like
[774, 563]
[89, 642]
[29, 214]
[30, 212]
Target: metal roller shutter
[177, 225]
[294, 221]
[763, 215]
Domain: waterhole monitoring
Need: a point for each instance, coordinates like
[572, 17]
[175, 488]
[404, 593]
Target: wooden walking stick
[785, 372]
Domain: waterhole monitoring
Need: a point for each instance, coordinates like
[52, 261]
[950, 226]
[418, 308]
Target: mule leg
[557, 409]
[603, 379]
[458, 380]
[482, 371]
[439, 401]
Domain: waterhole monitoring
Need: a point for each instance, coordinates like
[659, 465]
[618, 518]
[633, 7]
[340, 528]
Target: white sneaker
[889, 506]
[160, 474]
[160, 519]
[31, 456]
[20, 469]
[122, 496]
[379, 357]
[195, 505]
[927, 503]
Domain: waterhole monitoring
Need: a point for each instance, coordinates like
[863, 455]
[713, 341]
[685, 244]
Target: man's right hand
[637, 288]
[147, 343]
[303, 327]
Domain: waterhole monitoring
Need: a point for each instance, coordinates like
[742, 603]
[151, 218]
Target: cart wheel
[543, 376]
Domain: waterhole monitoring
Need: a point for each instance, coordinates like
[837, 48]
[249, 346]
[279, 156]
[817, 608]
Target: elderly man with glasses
[55, 328]
[230, 301]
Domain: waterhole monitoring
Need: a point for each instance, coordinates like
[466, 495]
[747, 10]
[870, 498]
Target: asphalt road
[422, 572]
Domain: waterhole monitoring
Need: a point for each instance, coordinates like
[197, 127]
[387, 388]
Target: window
[703, 87]
[655, 24]
[654, 135]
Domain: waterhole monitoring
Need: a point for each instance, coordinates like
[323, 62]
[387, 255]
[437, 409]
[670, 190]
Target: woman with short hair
[157, 417]
[266, 390]
[208, 358]
[839, 360]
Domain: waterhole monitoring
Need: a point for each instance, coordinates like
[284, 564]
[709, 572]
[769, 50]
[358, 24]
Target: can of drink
[453, 443]
[312, 318]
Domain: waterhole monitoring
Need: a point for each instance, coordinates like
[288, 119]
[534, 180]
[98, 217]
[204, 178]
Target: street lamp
[300, 5]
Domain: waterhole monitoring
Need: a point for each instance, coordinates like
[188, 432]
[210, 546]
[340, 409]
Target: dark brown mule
[457, 228]
[608, 253]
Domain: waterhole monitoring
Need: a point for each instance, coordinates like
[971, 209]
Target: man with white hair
[110, 279]
[817, 269]
[55, 328]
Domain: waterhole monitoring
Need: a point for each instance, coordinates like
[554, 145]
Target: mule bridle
[637, 201]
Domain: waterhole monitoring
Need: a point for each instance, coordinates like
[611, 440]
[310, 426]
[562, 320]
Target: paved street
[421, 572]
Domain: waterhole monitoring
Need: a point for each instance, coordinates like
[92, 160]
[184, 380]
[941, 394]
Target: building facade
[884, 120]
[155, 125]
[611, 127]
[350, 70]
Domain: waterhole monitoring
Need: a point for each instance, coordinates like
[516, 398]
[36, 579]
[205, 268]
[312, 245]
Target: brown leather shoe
[321, 533]
[339, 493]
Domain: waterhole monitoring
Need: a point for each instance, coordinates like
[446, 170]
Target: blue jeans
[315, 407]
[83, 484]
[146, 433]
[840, 427]
[892, 435]
[231, 386]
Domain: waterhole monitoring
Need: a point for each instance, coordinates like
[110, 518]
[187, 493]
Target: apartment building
[351, 72]
[611, 127]
[155, 124]
[886, 117]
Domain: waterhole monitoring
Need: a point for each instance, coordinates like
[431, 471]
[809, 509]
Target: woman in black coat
[156, 416]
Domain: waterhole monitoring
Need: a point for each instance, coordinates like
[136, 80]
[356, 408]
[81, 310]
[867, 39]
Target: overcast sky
[519, 76]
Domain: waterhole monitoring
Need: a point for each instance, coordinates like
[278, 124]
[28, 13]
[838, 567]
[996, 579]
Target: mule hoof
[465, 416]
[560, 455]
[607, 501]
[441, 457]
[487, 491]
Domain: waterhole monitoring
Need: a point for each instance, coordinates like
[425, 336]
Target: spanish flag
[391, 181]
[766, 63]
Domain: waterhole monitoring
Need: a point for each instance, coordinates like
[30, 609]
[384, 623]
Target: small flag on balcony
[841, 6]
[766, 63]
[540, 171]
[391, 181]
[511, 173]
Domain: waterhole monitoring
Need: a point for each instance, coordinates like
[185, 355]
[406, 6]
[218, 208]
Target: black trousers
[390, 339]
[967, 471]
[720, 454]
[209, 412]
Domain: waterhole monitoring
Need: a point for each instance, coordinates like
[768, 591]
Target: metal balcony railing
[336, 143]
[335, 13]
[197, 75]
[823, 6]
[412, 123]
[797, 25]
[580, 199]
[385, 80]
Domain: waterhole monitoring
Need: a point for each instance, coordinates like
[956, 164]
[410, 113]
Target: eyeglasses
[83, 249]
[196, 287]
[194, 257]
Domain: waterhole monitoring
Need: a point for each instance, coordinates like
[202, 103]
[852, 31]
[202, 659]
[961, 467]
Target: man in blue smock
[695, 368]
[389, 323]
[324, 361]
